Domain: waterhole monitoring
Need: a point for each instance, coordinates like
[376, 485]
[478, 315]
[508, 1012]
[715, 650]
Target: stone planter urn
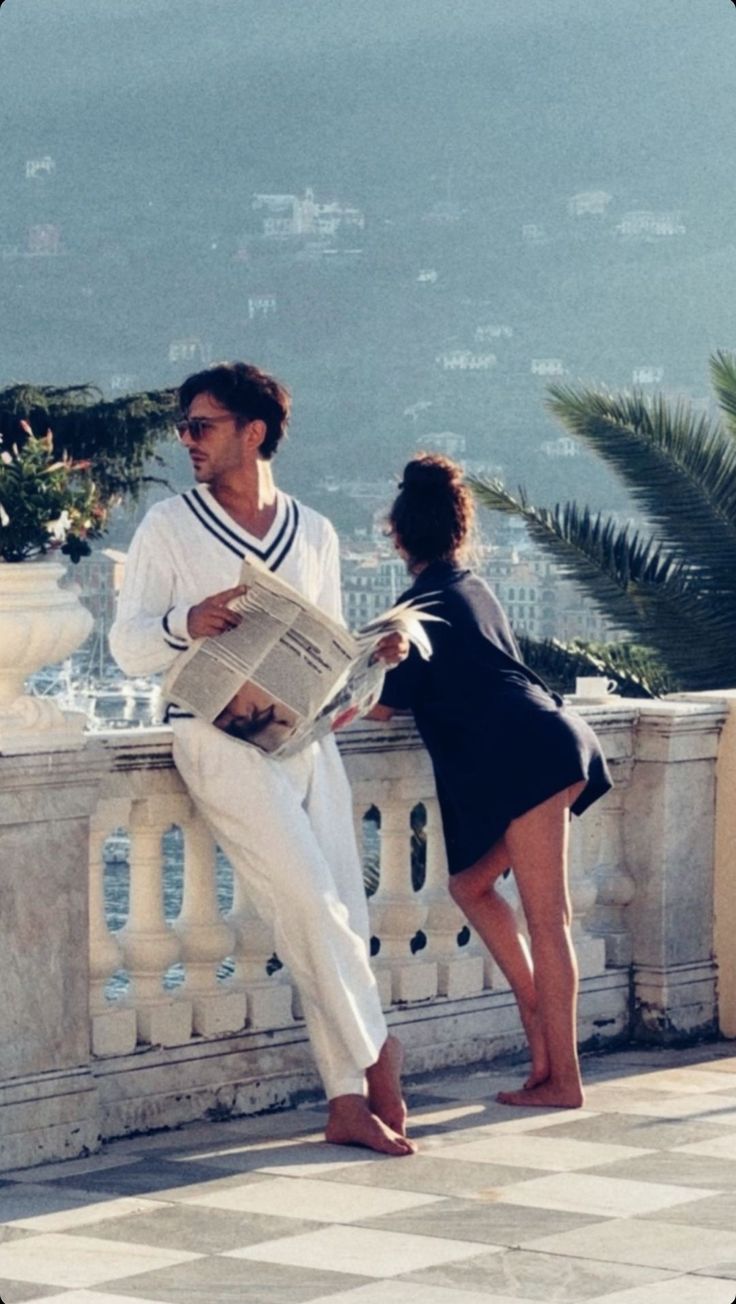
[40, 624]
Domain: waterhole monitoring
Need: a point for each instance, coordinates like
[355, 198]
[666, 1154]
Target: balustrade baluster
[459, 969]
[616, 886]
[113, 1023]
[589, 949]
[398, 913]
[149, 946]
[269, 996]
[205, 937]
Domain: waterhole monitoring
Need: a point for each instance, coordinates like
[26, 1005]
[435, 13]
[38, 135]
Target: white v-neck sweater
[187, 548]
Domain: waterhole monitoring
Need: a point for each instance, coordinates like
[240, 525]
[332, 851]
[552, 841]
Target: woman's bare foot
[537, 1048]
[384, 1086]
[351, 1123]
[549, 1094]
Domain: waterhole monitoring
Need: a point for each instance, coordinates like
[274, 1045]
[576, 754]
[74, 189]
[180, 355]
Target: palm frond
[636, 671]
[723, 379]
[649, 593]
[679, 467]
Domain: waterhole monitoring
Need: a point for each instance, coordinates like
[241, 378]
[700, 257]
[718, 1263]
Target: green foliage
[637, 673]
[46, 501]
[674, 592]
[56, 490]
[118, 436]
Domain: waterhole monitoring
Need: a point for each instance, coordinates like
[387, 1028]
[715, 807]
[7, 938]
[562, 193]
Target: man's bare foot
[384, 1086]
[351, 1123]
[549, 1094]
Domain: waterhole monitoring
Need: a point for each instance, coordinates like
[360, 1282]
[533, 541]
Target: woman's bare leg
[493, 919]
[538, 849]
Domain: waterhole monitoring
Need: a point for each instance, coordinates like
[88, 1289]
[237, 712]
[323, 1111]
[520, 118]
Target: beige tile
[683, 1081]
[546, 1152]
[546, 1278]
[66, 1260]
[678, 1290]
[385, 1292]
[80, 1215]
[91, 1297]
[722, 1147]
[657, 1245]
[327, 1202]
[710, 1107]
[362, 1251]
[602, 1196]
[69, 1168]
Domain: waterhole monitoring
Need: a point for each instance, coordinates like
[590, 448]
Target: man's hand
[212, 615]
[392, 649]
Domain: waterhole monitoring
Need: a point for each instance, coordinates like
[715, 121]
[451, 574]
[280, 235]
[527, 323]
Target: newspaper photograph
[287, 673]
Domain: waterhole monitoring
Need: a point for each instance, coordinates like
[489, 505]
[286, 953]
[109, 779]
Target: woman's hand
[392, 649]
[212, 615]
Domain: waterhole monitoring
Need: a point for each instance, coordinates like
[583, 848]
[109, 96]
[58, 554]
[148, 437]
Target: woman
[510, 762]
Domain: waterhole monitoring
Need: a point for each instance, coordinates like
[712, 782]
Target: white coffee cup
[594, 688]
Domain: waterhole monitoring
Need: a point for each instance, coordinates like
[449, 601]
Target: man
[285, 825]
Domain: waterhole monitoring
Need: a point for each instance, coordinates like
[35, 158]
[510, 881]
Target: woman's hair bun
[430, 471]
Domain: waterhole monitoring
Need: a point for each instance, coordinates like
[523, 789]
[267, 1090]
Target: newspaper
[287, 674]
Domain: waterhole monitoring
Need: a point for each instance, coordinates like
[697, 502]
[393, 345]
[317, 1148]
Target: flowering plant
[47, 501]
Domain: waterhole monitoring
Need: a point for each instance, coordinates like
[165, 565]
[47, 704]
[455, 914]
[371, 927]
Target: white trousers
[286, 827]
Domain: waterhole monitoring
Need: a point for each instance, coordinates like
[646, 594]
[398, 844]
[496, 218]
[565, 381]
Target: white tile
[329, 1202]
[683, 1081]
[385, 1292]
[97, 1297]
[677, 1290]
[71, 1168]
[83, 1214]
[553, 1153]
[606, 1197]
[317, 1170]
[434, 1116]
[707, 1108]
[671, 1246]
[362, 1251]
[721, 1147]
[510, 1121]
[66, 1260]
[245, 1147]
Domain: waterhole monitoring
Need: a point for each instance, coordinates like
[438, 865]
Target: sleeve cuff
[175, 627]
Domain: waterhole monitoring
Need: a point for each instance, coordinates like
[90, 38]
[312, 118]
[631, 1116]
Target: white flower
[59, 528]
[4, 518]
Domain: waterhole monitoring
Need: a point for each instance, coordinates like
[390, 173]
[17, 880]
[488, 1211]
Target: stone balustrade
[184, 1011]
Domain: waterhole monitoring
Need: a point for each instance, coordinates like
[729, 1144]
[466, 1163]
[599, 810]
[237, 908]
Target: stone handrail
[164, 1049]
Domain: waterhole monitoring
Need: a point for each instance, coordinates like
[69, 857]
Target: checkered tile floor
[629, 1201]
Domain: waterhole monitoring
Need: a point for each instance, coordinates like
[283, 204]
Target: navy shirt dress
[501, 742]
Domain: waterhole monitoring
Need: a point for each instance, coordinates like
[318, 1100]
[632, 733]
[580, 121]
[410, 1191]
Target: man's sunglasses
[198, 427]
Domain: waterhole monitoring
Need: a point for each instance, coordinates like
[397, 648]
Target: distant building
[589, 203]
[562, 447]
[445, 441]
[40, 167]
[371, 582]
[444, 213]
[646, 225]
[122, 383]
[43, 240]
[190, 349]
[484, 334]
[261, 305]
[466, 360]
[485, 470]
[285, 217]
[533, 233]
[547, 367]
[648, 375]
